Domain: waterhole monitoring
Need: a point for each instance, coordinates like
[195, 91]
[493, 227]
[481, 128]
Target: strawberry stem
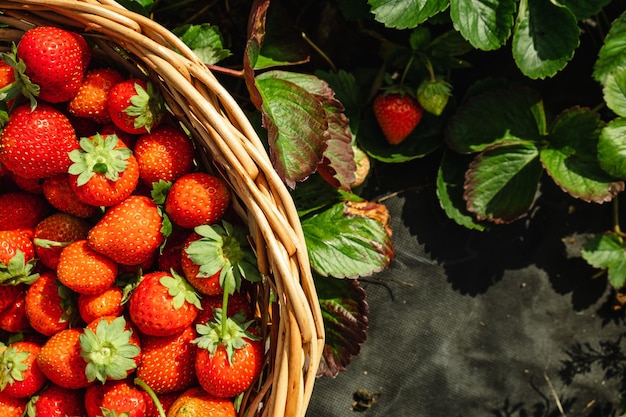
[152, 395]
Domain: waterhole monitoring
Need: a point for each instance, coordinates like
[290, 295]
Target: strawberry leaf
[495, 116]
[612, 54]
[501, 182]
[615, 91]
[545, 38]
[296, 122]
[486, 24]
[205, 41]
[402, 14]
[606, 251]
[345, 311]
[343, 244]
[571, 157]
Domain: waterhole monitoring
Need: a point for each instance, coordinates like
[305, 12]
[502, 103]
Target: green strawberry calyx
[230, 332]
[108, 351]
[181, 291]
[12, 366]
[146, 107]
[224, 248]
[99, 155]
[22, 84]
[18, 270]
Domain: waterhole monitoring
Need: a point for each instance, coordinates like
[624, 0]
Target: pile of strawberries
[124, 275]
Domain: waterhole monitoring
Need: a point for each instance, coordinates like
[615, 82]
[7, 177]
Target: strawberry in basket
[84, 254]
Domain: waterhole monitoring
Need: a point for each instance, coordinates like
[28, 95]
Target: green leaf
[403, 14]
[612, 148]
[495, 116]
[545, 38]
[449, 44]
[345, 245]
[584, 9]
[344, 312]
[486, 24]
[296, 122]
[450, 181]
[143, 7]
[570, 158]
[612, 55]
[501, 182]
[607, 252]
[205, 41]
[338, 165]
[614, 91]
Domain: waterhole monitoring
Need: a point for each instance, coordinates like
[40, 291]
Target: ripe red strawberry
[60, 359]
[48, 307]
[128, 139]
[229, 357]
[120, 397]
[163, 304]
[20, 210]
[9, 294]
[36, 143]
[59, 193]
[54, 233]
[129, 232]
[111, 349]
[84, 270]
[397, 115]
[166, 153]
[169, 256]
[13, 318]
[17, 258]
[8, 90]
[104, 171]
[167, 362]
[216, 257]
[135, 106]
[12, 407]
[105, 303]
[30, 185]
[91, 100]
[56, 401]
[56, 60]
[21, 376]
[197, 402]
[197, 198]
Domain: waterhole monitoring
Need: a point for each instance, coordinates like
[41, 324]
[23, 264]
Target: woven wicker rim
[229, 142]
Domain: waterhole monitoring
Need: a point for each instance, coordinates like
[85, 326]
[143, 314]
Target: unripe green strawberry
[433, 95]
[397, 115]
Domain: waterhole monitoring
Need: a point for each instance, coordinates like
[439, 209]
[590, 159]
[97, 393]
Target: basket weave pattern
[228, 144]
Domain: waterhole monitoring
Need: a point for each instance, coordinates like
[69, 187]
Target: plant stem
[319, 51]
[616, 226]
[152, 395]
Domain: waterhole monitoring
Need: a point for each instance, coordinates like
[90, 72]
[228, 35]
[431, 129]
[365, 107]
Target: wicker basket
[227, 141]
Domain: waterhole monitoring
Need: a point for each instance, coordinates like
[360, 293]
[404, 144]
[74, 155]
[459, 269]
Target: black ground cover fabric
[505, 323]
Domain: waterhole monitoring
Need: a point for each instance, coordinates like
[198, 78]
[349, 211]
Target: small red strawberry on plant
[20, 376]
[135, 106]
[398, 113]
[104, 171]
[109, 349]
[215, 254]
[163, 304]
[129, 232]
[36, 143]
[197, 198]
